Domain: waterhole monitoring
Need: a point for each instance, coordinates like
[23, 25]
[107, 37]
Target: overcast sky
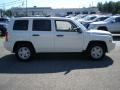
[51, 3]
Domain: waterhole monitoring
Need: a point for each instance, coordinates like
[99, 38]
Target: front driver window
[65, 26]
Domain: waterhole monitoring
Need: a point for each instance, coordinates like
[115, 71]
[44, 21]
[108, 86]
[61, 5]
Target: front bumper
[111, 46]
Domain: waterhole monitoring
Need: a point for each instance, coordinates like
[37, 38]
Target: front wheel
[1, 33]
[96, 52]
[24, 53]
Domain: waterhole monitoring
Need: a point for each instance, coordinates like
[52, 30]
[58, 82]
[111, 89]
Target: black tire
[3, 31]
[91, 51]
[30, 52]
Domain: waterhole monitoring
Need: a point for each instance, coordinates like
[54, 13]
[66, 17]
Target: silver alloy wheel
[97, 52]
[24, 53]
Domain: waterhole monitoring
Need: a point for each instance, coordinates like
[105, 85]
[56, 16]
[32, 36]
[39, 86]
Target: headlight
[110, 38]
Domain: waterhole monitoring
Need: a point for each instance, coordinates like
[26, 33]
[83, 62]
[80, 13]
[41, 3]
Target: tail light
[6, 36]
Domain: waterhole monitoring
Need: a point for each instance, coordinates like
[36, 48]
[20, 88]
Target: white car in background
[88, 18]
[111, 24]
[86, 23]
[79, 16]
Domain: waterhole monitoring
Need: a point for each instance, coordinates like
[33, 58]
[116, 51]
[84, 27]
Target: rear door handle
[59, 35]
[35, 35]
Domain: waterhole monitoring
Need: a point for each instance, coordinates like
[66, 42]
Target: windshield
[101, 19]
[109, 19]
[79, 24]
[89, 17]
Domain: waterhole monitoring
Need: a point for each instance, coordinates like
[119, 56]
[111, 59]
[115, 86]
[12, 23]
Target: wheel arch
[97, 42]
[18, 43]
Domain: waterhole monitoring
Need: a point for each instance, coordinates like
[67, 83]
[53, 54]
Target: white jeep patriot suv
[29, 35]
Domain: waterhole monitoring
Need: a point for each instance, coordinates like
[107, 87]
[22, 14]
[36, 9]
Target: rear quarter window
[21, 25]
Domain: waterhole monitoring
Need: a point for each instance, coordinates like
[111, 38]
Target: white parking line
[115, 34]
[117, 43]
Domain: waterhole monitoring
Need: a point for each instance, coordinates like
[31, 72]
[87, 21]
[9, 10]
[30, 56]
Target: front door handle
[35, 35]
[59, 35]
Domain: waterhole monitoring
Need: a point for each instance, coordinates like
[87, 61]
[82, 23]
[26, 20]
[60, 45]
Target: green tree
[117, 6]
[109, 7]
[8, 13]
[99, 5]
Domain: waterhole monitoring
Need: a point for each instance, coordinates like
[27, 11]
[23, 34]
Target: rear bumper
[8, 46]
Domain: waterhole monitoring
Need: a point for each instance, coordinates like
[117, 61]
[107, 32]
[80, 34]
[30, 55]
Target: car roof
[51, 18]
[116, 16]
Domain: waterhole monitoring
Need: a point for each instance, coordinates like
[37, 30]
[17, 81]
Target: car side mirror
[78, 30]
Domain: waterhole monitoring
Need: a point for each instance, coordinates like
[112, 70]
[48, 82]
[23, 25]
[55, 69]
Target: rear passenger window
[20, 25]
[41, 25]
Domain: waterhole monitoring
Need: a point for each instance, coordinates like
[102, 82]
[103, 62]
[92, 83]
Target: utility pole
[92, 3]
[3, 10]
[4, 6]
[26, 9]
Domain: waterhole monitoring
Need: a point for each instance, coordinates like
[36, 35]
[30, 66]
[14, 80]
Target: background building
[32, 11]
[48, 11]
[74, 11]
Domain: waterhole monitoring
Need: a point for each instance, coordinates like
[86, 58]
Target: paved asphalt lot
[60, 72]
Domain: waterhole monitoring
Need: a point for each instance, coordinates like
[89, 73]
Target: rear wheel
[24, 53]
[2, 31]
[96, 51]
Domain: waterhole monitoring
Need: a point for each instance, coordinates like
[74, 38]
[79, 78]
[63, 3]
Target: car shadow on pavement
[51, 63]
